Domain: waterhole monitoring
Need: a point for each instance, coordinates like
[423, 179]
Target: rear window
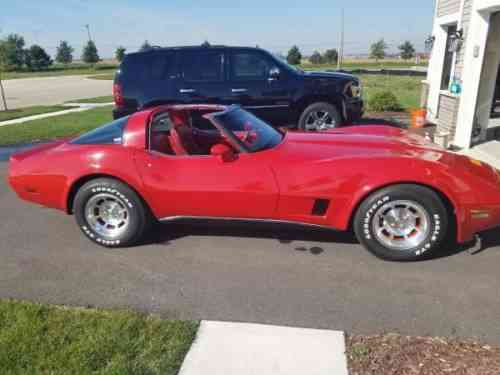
[111, 133]
[149, 66]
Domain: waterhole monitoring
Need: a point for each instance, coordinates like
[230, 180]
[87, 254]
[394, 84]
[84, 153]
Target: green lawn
[107, 76]
[42, 339]
[29, 111]
[62, 70]
[407, 89]
[55, 127]
[99, 99]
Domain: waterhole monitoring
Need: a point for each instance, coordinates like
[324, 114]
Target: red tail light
[118, 95]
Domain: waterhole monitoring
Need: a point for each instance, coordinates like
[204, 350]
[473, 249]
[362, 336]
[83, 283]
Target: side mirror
[223, 152]
[274, 74]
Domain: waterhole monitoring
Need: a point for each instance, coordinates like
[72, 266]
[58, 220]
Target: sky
[271, 24]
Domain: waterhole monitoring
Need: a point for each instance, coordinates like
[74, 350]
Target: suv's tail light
[118, 95]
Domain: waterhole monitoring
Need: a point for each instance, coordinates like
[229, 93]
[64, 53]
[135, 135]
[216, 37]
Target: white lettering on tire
[422, 249]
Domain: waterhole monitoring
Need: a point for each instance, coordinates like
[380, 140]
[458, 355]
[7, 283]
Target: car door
[206, 186]
[257, 89]
[202, 76]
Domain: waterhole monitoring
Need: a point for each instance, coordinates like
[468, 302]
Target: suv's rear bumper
[119, 112]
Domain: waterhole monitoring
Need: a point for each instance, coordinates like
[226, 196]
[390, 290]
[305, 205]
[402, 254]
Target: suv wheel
[320, 117]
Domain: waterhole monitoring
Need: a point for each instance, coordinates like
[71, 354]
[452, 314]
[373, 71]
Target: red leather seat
[181, 135]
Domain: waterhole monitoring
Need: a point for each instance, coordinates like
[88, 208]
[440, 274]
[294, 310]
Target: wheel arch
[448, 202]
[77, 184]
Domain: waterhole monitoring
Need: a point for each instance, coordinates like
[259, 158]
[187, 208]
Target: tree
[315, 58]
[206, 43]
[407, 50]
[12, 52]
[294, 56]
[36, 58]
[331, 56]
[145, 46]
[64, 54]
[377, 50]
[120, 53]
[90, 54]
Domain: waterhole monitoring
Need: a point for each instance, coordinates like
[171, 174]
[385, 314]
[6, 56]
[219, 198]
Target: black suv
[251, 77]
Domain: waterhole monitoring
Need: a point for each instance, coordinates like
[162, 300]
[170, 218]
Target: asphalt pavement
[27, 92]
[270, 274]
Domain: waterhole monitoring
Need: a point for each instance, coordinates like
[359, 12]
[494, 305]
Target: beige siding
[446, 7]
[447, 113]
[466, 18]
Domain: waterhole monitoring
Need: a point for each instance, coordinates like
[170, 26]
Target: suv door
[202, 77]
[252, 85]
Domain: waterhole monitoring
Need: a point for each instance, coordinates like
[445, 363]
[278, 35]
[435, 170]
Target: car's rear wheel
[320, 117]
[402, 222]
[110, 213]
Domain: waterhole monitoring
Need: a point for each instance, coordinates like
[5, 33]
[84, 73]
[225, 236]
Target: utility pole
[2, 92]
[87, 26]
[341, 50]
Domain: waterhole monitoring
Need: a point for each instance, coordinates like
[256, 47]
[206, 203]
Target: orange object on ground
[418, 118]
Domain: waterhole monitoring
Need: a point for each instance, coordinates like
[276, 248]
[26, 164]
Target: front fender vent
[320, 207]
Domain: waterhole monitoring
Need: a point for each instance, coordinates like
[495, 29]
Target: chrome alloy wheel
[401, 225]
[320, 121]
[107, 215]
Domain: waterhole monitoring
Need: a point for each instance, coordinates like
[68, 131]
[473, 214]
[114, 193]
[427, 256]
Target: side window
[203, 66]
[149, 66]
[250, 66]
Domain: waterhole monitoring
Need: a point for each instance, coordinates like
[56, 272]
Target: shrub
[384, 101]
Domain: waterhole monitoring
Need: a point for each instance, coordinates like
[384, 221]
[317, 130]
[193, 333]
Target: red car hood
[361, 141]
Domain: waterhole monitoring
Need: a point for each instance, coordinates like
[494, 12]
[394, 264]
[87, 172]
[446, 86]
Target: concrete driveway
[27, 92]
[258, 273]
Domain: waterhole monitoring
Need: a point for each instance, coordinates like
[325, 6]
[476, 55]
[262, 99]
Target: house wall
[447, 7]
[466, 18]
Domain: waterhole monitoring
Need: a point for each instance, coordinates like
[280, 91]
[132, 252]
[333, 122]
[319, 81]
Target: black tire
[369, 217]
[331, 110]
[135, 213]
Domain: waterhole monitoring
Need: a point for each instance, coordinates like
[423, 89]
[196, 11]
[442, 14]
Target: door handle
[187, 91]
[238, 91]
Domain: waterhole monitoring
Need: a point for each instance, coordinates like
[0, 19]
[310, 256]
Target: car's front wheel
[110, 213]
[402, 222]
[320, 117]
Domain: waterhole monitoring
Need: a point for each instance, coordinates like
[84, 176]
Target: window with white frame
[449, 57]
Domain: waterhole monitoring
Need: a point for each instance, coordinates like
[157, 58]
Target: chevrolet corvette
[404, 197]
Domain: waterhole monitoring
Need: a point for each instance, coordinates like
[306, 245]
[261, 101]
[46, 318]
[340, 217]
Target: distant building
[462, 90]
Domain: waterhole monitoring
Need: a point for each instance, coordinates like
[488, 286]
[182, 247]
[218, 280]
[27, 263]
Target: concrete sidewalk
[224, 348]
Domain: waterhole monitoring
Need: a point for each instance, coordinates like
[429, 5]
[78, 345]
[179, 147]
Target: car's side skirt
[243, 220]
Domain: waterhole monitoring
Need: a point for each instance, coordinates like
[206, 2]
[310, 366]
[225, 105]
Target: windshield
[251, 132]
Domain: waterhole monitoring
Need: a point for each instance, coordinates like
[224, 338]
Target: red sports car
[403, 196]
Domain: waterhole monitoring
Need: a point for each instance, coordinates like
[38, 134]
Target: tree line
[378, 51]
[14, 55]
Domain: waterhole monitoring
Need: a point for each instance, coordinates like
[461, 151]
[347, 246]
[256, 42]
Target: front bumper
[479, 219]
[354, 110]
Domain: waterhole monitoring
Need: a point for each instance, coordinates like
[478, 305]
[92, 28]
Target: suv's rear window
[202, 66]
[149, 66]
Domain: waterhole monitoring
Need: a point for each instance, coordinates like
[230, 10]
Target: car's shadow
[168, 233]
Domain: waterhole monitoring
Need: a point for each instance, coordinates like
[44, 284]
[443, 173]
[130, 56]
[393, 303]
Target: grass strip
[44, 339]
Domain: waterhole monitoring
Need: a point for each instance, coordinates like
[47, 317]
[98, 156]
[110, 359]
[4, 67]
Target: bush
[384, 101]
